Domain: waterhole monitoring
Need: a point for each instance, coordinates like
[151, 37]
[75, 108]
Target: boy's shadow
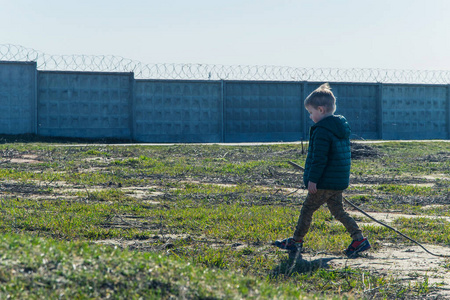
[296, 264]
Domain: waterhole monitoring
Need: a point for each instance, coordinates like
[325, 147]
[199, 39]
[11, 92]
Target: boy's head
[322, 97]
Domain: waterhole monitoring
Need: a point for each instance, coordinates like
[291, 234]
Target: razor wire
[111, 63]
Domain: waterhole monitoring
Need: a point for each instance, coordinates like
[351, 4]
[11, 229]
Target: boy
[327, 171]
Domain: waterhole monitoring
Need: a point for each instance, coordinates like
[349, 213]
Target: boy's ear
[321, 109]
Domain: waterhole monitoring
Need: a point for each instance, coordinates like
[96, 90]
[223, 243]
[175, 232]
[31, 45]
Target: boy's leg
[336, 208]
[311, 204]
[359, 243]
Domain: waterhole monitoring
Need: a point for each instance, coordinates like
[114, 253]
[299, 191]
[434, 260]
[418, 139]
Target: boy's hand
[312, 187]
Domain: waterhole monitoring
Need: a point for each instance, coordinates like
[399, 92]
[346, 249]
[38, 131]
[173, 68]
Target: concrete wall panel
[414, 112]
[178, 111]
[17, 97]
[263, 111]
[88, 105]
[358, 103]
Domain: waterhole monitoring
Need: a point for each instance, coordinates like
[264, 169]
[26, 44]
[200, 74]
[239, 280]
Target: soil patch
[438, 157]
[390, 217]
[407, 263]
[362, 151]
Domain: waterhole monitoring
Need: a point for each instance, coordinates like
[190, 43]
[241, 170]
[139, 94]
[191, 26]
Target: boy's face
[316, 114]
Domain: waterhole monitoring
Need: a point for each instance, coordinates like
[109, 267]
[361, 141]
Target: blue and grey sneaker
[289, 244]
[356, 247]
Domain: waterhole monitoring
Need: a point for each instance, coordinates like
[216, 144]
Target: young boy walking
[327, 171]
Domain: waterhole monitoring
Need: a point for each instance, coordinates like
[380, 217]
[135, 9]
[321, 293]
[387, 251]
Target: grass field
[196, 221]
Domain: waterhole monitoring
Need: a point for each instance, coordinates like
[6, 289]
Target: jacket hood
[337, 124]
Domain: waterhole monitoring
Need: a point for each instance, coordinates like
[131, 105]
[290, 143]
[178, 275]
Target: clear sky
[387, 34]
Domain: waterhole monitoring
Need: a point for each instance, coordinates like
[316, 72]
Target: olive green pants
[333, 199]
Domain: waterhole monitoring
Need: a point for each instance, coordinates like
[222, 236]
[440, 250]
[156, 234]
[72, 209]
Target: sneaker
[356, 247]
[289, 244]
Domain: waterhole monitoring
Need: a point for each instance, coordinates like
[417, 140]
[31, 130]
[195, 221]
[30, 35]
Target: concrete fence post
[448, 111]
[379, 111]
[222, 121]
[35, 101]
[131, 108]
[304, 112]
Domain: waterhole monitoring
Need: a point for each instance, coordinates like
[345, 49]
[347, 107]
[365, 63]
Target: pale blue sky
[391, 34]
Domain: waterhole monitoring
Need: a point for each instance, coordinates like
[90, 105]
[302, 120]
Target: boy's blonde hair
[322, 96]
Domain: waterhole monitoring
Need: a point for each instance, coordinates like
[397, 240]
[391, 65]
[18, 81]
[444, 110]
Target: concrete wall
[115, 105]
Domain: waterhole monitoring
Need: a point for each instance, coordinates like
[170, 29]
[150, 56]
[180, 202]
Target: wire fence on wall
[111, 63]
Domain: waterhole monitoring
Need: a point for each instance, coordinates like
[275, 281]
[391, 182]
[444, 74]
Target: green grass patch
[34, 267]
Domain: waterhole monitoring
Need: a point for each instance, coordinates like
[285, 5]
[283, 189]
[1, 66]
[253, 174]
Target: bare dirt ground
[408, 263]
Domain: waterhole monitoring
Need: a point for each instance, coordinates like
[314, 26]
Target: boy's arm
[319, 155]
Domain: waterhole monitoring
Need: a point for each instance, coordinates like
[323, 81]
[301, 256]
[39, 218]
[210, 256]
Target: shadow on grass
[295, 264]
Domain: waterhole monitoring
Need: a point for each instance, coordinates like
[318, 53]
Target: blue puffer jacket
[329, 155]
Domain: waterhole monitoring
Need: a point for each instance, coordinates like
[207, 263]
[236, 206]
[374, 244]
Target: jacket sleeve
[322, 143]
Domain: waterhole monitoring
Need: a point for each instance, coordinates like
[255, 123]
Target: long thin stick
[372, 218]
[296, 166]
